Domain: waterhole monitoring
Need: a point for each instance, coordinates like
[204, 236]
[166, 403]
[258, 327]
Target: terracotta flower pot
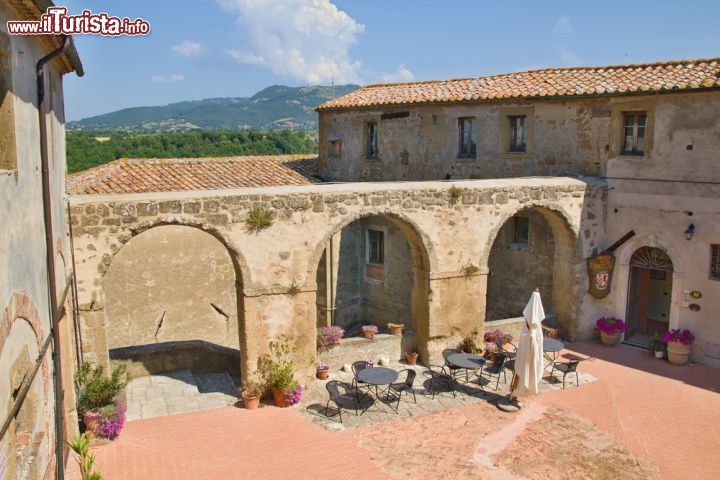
[396, 329]
[92, 423]
[322, 374]
[369, 334]
[279, 397]
[611, 339]
[678, 354]
[251, 402]
[411, 357]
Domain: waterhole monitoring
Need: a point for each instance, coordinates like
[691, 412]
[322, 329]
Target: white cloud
[174, 78]
[308, 40]
[563, 26]
[403, 74]
[187, 49]
[569, 58]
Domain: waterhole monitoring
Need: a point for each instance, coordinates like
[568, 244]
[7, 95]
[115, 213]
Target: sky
[233, 48]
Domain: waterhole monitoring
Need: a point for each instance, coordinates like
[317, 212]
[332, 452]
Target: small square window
[715, 262]
[467, 138]
[518, 133]
[634, 124]
[371, 141]
[376, 247]
[521, 231]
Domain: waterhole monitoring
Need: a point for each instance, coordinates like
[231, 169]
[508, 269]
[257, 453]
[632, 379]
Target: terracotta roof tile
[551, 82]
[175, 174]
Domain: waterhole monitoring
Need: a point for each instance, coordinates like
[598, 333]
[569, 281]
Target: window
[8, 162]
[715, 262]
[521, 231]
[375, 247]
[467, 144]
[518, 134]
[335, 149]
[634, 133]
[371, 145]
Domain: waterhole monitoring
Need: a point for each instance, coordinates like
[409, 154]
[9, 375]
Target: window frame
[513, 147]
[368, 246]
[715, 262]
[371, 141]
[518, 243]
[464, 135]
[636, 127]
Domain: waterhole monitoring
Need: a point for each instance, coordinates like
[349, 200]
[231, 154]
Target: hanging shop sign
[600, 270]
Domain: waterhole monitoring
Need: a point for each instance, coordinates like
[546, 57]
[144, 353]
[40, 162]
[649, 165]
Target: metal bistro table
[551, 349]
[467, 361]
[377, 377]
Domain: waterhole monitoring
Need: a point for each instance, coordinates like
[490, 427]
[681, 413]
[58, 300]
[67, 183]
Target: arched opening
[533, 249]
[173, 309]
[374, 271]
[649, 295]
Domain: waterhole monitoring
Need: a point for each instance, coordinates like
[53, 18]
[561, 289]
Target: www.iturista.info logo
[56, 21]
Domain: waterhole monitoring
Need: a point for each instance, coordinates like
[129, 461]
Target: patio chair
[511, 354]
[438, 376]
[566, 368]
[335, 396]
[356, 384]
[406, 386]
[497, 368]
[451, 370]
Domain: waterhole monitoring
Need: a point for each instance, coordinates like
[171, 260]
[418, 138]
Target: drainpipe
[50, 247]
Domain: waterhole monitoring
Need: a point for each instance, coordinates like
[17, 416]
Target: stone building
[439, 205]
[37, 403]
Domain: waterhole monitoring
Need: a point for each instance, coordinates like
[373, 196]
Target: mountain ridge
[273, 108]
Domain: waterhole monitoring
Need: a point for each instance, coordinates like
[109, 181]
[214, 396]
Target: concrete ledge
[356, 348]
[196, 355]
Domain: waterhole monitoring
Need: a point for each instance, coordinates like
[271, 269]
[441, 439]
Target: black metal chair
[497, 368]
[449, 369]
[406, 386]
[566, 368]
[337, 397]
[438, 376]
[511, 354]
[357, 366]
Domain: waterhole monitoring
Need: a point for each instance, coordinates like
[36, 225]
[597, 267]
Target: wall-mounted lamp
[689, 232]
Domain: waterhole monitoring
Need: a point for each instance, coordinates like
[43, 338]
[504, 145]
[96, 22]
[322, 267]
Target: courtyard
[628, 413]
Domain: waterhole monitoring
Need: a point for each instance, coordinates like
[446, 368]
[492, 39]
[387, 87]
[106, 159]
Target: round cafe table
[466, 361]
[551, 349]
[377, 377]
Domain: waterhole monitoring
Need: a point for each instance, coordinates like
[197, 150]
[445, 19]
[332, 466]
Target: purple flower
[685, 337]
[293, 396]
[329, 336]
[369, 363]
[609, 325]
[322, 366]
[112, 420]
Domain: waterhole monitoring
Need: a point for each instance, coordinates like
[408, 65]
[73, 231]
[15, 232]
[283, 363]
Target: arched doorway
[649, 295]
[374, 270]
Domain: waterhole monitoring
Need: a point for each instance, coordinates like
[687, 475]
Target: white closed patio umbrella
[529, 364]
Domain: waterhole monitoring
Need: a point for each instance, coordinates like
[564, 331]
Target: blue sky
[230, 48]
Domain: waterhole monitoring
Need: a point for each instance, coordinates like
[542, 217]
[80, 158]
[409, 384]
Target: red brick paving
[664, 414]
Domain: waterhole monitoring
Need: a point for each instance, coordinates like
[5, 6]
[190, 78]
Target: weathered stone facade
[449, 240]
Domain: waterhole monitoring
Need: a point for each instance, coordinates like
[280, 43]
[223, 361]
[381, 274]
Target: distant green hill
[275, 108]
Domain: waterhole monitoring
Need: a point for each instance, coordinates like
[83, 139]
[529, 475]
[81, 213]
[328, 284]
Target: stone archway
[533, 247]
[172, 301]
[374, 268]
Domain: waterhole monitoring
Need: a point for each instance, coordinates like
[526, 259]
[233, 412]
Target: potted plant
[494, 342]
[322, 371]
[411, 356]
[657, 346]
[396, 328]
[470, 342]
[370, 331]
[678, 345]
[328, 337]
[277, 369]
[103, 415]
[611, 330]
[251, 393]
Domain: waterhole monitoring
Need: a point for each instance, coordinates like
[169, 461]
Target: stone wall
[449, 239]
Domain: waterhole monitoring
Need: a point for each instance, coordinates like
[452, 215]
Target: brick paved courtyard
[641, 419]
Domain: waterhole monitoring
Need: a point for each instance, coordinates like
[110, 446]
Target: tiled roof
[175, 174]
[550, 82]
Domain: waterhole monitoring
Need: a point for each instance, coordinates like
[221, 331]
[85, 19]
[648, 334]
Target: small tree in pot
[277, 369]
[251, 393]
[103, 415]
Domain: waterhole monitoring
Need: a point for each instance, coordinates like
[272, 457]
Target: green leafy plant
[277, 368]
[81, 446]
[293, 289]
[455, 194]
[656, 343]
[259, 218]
[252, 389]
[95, 390]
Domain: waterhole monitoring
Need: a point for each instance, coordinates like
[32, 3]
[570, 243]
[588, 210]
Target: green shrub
[258, 219]
[95, 390]
[277, 368]
[81, 446]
